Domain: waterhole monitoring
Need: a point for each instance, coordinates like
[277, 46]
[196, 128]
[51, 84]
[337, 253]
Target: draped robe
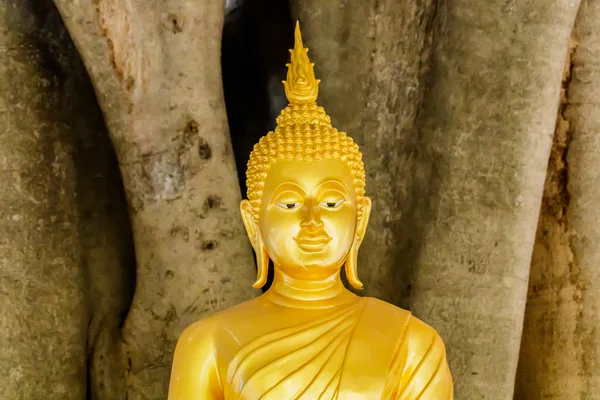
[367, 350]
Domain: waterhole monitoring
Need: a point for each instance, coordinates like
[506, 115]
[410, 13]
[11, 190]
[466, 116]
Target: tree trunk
[106, 241]
[371, 57]
[559, 353]
[456, 174]
[583, 161]
[486, 133]
[42, 304]
[156, 71]
[550, 315]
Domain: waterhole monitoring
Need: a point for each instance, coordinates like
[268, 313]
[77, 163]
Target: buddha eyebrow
[339, 185]
[287, 186]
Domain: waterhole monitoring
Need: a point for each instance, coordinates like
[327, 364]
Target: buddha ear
[262, 257]
[249, 223]
[363, 221]
[351, 264]
[262, 264]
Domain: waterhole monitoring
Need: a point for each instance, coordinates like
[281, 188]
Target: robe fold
[344, 355]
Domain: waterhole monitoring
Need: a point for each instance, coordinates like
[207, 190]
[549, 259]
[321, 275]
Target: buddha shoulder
[193, 354]
[418, 367]
[414, 333]
[202, 352]
[207, 331]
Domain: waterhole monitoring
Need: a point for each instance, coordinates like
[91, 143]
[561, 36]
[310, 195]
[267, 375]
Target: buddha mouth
[312, 244]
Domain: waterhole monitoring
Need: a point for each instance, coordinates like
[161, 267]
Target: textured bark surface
[559, 353]
[43, 309]
[486, 134]
[371, 57]
[583, 161]
[156, 71]
[106, 242]
[549, 328]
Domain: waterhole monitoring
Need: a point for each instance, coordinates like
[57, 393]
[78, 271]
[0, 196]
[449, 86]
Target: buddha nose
[312, 217]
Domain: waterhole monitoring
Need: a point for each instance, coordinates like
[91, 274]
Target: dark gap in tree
[256, 37]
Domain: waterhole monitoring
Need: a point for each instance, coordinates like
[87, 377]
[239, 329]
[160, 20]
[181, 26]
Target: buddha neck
[308, 294]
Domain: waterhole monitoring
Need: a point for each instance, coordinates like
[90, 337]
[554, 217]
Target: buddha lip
[312, 243]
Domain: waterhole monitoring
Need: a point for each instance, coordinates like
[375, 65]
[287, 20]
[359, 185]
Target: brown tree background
[126, 126]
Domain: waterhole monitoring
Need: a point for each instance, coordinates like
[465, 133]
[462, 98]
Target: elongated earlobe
[351, 266]
[262, 264]
[262, 257]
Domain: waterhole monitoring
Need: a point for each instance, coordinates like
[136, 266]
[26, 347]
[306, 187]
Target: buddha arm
[195, 374]
[421, 368]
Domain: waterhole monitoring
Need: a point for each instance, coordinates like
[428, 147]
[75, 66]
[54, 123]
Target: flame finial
[300, 86]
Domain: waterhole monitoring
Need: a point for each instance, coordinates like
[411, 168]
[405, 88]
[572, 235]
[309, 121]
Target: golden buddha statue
[308, 337]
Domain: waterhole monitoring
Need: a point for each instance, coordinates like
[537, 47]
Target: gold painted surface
[308, 337]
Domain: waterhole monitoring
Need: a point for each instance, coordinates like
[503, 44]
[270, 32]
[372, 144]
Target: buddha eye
[330, 204]
[289, 200]
[289, 206]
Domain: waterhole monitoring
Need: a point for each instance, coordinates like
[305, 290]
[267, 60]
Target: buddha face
[308, 217]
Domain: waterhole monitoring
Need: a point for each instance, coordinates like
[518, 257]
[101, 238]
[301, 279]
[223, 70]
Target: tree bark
[371, 57]
[156, 71]
[559, 353]
[106, 240]
[583, 160]
[42, 282]
[486, 132]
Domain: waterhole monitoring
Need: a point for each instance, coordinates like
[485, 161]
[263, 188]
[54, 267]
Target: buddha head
[306, 208]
